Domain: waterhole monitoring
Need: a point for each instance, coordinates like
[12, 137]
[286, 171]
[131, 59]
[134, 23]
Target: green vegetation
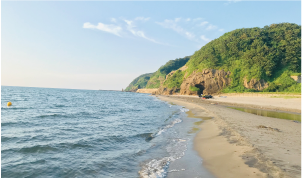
[284, 83]
[175, 80]
[286, 97]
[296, 74]
[159, 75]
[139, 82]
[272, 53]
[191, 88]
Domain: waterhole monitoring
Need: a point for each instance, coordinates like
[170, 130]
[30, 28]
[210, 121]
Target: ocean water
[87, 133]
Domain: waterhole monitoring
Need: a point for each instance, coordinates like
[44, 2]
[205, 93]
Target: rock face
[147, 90]
[209, 81]
[255, 84]
[296, 78]
[166, 91]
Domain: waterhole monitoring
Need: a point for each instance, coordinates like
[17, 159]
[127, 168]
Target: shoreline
[257, 102]
[233, 144]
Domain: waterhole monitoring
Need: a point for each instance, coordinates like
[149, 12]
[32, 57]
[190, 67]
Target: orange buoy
[9, 104]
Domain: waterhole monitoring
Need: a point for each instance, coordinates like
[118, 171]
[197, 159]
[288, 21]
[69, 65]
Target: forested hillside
[272, 53]
[159, 75]
[139, 82]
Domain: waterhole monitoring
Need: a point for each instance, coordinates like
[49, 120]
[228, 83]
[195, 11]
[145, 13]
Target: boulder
[255, 84]
[209, 81]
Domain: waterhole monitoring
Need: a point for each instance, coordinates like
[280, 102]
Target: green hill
[272, 53]
[139, 82]
[159, 75]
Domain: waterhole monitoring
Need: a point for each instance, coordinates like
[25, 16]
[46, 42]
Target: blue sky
[105, 45]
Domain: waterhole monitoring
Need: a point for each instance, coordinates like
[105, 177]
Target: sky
[105, 45]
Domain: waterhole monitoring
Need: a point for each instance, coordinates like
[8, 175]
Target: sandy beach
[235, 144]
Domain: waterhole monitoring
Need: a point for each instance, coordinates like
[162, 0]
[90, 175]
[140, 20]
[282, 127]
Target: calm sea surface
[83, 133]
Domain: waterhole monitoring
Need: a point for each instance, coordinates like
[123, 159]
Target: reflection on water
[192, 115]
[202, 119]
[274, 114]
[193, 130]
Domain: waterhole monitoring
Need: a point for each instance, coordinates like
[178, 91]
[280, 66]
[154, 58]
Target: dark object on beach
[206, 96]
[268, 128]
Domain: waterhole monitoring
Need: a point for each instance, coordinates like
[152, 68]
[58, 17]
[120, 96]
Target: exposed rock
[209, 81]
[172, 72]
[255, 84]
[296, 78]
[165, 91]
[147, 90]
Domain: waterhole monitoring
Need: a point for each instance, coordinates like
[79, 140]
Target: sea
[51, 132]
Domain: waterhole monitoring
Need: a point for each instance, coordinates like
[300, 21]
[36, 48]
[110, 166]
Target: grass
[286, 97]
[265, 93]
[295, 74]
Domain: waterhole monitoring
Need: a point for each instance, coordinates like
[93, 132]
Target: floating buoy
[9, 104]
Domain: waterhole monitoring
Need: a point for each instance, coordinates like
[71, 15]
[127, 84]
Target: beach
[239, 144]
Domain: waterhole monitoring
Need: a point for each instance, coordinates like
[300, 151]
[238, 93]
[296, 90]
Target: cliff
[139, 82]
[159, 76]
[153, 80]
[243, 60]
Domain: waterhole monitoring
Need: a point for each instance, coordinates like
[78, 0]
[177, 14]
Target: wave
[59, 105]
[37, 149]
[167, 127]
[155, 168]
[4, 138]
[79, 144]
[3, 124]
[51, 115]
[158, 168]
[184, 110]
[14, 108]
[120, 139]
[147, 136]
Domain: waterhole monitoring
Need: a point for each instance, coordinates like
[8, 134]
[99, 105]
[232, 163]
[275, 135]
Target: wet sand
[236, 144]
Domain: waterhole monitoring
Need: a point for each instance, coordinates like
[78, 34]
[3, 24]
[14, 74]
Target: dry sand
[236, 144]
[289, 104]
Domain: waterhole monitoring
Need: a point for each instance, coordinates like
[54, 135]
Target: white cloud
[171, 24]
[203, 23]
[129, 22]
[188, 19]
[138, 33]
[110, 28]
[204, 38]
[221, 30]
[231, 1]
[197, 19]
[211, 27]
[113, 20]
[177, 19]
[142, 18]
[88, 25]
[189, 35]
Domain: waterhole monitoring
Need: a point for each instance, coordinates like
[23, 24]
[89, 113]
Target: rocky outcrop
[172, 72]
[209, 81]
[255, 84]
[166, 91]
[147, 90]
[296, 78]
